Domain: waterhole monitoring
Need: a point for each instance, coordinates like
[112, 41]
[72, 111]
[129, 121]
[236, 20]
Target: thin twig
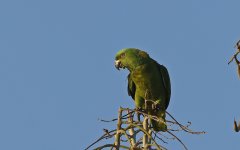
[178, 139]
[115, 119]
[111, 145]
[101, 138]
[159, 138]
[184, 127]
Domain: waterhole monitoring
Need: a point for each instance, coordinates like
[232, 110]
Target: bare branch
[234, 57]
[131, 130]
[118, 135]
[138, 133]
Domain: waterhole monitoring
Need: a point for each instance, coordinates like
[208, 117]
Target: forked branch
[234, 57]
[135, 133]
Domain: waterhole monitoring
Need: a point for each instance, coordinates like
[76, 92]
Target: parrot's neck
[136, 63]
[134, 67]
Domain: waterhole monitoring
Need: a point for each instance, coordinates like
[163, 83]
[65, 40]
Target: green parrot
[147, 80]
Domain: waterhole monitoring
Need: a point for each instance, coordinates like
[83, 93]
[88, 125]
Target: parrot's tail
[161, 124]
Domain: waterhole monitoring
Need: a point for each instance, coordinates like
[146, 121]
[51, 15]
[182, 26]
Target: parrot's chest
[141, 79]
[146, 79]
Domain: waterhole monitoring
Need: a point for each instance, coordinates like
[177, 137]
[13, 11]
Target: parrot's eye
[122, 55]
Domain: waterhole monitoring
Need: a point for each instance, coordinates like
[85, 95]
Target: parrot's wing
[166, 82]
[131, 87]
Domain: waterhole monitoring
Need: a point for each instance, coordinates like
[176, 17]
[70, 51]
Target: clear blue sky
[57, 74]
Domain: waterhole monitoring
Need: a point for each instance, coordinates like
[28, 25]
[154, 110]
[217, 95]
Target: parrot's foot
[159, 125]
[139, 109]
[155, 106]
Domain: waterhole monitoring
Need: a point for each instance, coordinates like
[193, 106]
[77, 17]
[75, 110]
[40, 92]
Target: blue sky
[57, 74]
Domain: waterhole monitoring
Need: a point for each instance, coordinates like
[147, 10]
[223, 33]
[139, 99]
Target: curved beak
[117, 64]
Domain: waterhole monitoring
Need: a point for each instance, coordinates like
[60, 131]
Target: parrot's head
[130, 58]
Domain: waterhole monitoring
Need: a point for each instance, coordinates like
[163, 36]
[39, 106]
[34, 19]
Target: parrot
[147, 80]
